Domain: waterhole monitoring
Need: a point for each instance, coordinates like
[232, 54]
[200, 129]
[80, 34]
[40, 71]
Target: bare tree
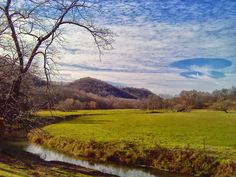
[28, 30]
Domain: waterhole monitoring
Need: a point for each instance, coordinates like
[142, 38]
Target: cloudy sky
[162, 45]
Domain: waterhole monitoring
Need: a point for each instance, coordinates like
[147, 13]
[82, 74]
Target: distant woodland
[90, 93]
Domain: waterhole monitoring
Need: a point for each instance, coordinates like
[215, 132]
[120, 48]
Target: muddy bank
[34, 166]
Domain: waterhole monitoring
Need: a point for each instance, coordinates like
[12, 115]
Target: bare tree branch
[29, 30]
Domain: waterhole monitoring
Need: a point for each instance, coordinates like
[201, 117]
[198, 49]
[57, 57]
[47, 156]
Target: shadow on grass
[154, 112]
[88, 121]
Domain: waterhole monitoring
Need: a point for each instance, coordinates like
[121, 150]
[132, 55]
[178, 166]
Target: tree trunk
[11, 107]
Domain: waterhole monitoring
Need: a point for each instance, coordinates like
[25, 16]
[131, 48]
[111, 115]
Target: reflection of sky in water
[199, 67]
[122, 171]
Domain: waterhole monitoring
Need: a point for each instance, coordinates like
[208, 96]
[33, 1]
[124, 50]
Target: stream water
[119, 170]
[114, 169]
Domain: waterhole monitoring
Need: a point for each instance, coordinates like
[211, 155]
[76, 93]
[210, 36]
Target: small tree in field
[224, 105]
[28, 29]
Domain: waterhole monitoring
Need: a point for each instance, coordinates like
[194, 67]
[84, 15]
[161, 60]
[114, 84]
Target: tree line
[68, 99]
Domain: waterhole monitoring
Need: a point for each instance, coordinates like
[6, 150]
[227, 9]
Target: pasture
[198, 129]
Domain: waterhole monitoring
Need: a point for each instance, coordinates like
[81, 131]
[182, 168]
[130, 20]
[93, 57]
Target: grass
[211, 130]
[46, 113]
[22, 171]
[8, 171]
[201, 142]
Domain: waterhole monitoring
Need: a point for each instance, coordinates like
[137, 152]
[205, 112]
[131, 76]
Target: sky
[163, 45]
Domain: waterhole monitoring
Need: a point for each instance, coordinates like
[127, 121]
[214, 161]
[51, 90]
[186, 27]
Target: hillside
[98, 87]
[138, 92]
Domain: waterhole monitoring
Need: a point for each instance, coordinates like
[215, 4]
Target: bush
[69, 104]
[182, 108]
[225, 105]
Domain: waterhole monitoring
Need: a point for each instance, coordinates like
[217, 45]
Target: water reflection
[122, 171]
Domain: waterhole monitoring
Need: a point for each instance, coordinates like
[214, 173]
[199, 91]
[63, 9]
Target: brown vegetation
[187, 161]
[100, 88]
[223, 100]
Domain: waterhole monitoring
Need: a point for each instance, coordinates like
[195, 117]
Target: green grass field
[198, 129]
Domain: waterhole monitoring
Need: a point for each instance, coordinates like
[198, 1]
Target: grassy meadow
[197, 142]
[212, 130]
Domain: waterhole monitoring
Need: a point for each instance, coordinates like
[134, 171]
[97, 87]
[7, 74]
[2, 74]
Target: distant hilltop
[102, 88]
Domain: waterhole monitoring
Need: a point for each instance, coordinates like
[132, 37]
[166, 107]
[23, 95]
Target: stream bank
[23, 160]
[176, 160]
[20, 158]
[26, 159]
[15, 161]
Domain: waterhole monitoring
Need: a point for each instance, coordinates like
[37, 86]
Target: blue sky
[163, 45]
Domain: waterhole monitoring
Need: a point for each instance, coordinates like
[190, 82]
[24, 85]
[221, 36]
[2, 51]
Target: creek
[109, 168]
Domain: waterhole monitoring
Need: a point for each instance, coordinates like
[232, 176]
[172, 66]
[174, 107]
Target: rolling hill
[138, 92]
[98, 87]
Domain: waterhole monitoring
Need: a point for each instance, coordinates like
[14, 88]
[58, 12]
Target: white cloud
[151, 47]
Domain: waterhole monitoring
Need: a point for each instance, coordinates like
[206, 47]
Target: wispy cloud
[152, 35]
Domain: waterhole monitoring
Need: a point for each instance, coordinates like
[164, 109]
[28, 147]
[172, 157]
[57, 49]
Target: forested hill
[138, 92]
[98, 87]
